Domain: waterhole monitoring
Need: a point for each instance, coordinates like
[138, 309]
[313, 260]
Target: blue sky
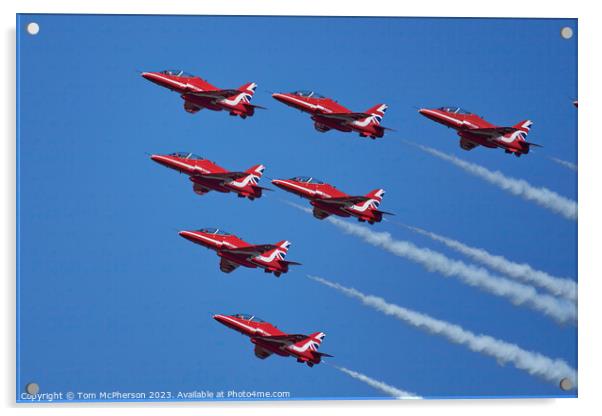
[111, 298]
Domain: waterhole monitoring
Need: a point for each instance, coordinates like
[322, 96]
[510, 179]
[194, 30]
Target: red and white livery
[234, 252]
[199, 94]
[328, 200]
[207, 176]
[270, 340]
[475, 131]
[328, 114]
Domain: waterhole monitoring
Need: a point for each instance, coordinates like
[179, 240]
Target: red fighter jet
[474, 131]
[328, 114]
[235, 252]
[207, 176]
[270, 340]
[327, 200]
[198, 93]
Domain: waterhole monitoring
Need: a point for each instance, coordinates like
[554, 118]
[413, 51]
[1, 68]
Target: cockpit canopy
[212, 230]
[176, 73]
[308, 94]
[186, 155]
[455, 110]
[306, 179]
[248, 317]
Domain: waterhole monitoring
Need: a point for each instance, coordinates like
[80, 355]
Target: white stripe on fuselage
[204, 237]
[305, 347]
[251, 328]
[294, 185]
[179, 84]
[362, 208]
[268, 259]
[310, 105]
[244, 182]
[454, 120]
[233, 102]
[184, 164]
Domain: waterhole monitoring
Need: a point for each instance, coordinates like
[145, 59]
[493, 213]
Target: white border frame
[590, 147]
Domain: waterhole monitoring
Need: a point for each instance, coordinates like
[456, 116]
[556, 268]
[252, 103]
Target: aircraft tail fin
[256, 170]
[522, 128]
[283, 247]
[376, 195]
[274, 258]
[254, 174]
[373, 200]
[279, 252]
[247, 92]
[377, 113]
[248, 88]
[312, 342]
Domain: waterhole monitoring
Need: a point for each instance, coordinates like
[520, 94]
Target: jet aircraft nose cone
[422, 111]
[154, 158]
[279, 96]
[279, 183]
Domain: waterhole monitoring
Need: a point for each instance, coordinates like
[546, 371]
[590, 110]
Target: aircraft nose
[279, 96]
[279, 183]
[422, 111]
[151, 76]
[219, 318]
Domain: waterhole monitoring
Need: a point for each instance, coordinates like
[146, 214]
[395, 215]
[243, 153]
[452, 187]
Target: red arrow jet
[270, 340]
[198, 93]
[327, 200]
[474, 131]
[207, 176]
[328, 114]
[235, 252]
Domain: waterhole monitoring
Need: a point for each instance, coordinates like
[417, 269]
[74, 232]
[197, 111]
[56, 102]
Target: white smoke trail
[560, 309]
[536, 364]
[379, 385]
[564, 163]
[558, 286]
[519, 187]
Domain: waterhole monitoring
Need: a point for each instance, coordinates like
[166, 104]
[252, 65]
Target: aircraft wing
[492, 131]
[345, 200]
[343, 116]
[216, 93]
[227, 266]
[221, 177]
[250, 251]
[285, 340]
